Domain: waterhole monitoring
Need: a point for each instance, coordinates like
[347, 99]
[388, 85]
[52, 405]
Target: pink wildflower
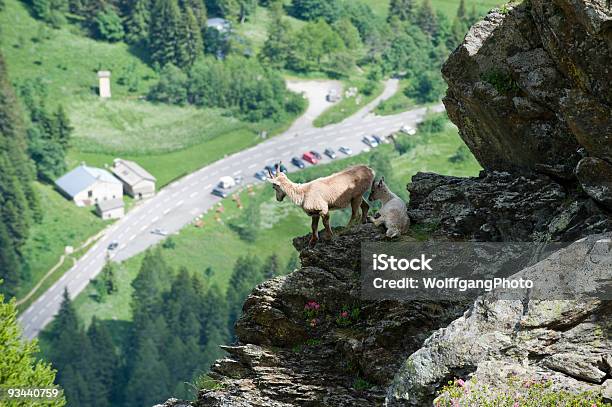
[516, 404]
[344, 314]
[460, 382]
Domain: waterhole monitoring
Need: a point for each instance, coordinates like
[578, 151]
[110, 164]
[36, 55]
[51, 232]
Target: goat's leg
[315, 232]
[365, 207]
[328, 232]
[354, 211]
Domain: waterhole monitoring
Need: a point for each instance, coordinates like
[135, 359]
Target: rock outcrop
[285, 358]
[500, 206]
[566, 342]
[530, 86]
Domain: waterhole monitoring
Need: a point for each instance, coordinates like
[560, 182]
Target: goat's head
[275, 180]
[377, 189]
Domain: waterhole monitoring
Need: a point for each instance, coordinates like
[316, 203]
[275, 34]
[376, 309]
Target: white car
[411, 131]
[160, 232]
[345, 150]
[370, 141]
[226, 182]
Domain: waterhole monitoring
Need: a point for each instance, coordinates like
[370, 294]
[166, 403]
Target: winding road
[176, 205]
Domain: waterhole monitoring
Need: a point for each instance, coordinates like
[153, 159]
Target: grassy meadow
[208, 246]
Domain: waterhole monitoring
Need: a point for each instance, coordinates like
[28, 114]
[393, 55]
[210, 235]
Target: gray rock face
[281, 359]
[566, 341]
[529, 87]
[595, 176]
[503, 207]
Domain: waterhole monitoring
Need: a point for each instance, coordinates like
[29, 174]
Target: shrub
[108, 26]
[172, 86]
[501, 81]
[520, 393]
[434, 123]
[461, 155]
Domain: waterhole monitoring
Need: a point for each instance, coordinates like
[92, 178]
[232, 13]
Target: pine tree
[9, 264]
[71, 353]
[105, 362]
[473, 17]
[461, 12]
[245, 276]
[213, 317]
[137, 23]
[165, 34]
[63, 129]
[149, 379]
[18, 201]
[293, 263]
[427, 20]
[148, 286]
[277, 47]
[19, 364]
[402, 9]
[194, 47]
[271, 267]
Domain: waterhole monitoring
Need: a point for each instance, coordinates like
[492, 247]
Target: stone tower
[104, 84]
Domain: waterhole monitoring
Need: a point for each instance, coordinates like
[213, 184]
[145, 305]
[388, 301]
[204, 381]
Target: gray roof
[217, 22]
[82, 177]
[130, 172]
[110, 204]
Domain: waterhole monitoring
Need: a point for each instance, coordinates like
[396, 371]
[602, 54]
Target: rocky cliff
[530, 91]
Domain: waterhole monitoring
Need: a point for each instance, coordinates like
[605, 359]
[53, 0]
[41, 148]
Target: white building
[111, 209]
[220, 24]
[104, 84]
[88, 185]
[137, 182]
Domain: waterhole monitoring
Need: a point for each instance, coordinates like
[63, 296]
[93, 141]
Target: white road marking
[193, 194]
[237, 172]
[155, 219]
[179, 203]
[208, 186]
[142, 229]
[252, 166]
[167, 211]
[132, 238]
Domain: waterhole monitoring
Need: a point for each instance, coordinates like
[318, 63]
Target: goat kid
[393, 214]
[322, 195]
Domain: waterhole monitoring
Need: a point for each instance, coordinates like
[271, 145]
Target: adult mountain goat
[320, 196]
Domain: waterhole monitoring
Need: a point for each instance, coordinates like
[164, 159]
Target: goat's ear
[382, 179]
[380, 183]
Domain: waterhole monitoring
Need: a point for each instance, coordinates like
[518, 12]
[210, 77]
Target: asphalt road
[176, 205]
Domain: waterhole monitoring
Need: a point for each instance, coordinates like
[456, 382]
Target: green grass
[255, 28]
[431, 154]
[348, 106]
[64, 224]
[397, 103]
[448, 7]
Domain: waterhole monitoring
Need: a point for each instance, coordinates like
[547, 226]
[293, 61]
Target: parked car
[369, 141]
[411, 131]
[261, 175]
[297, 162]
[345, 150]
[160, 232]
[113, 245]
[379, 139]
[309, 157]
[330, 153]
[238, 179]
[219, 192]
[270, 168]
[316, 155]
[226, 182]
